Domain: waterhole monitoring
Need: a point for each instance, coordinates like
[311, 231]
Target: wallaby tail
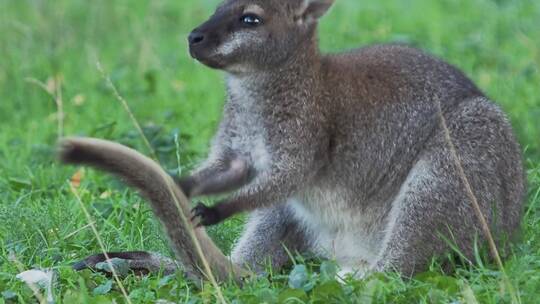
[145, 175]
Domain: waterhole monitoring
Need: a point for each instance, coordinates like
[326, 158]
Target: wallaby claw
[206, 215]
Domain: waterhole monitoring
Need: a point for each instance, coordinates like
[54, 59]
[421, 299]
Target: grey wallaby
[339, 155]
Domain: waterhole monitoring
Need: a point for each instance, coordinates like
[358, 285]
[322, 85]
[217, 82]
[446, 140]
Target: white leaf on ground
[36, 277]
[39, 278]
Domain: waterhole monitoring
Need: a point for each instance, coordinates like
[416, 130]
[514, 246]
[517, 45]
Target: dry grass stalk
[476, 206]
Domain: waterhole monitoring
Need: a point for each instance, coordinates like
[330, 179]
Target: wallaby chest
[247, 132]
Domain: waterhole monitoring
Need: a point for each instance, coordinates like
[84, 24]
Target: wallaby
[341, 155]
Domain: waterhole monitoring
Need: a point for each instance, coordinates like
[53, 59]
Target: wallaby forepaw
[205, 216]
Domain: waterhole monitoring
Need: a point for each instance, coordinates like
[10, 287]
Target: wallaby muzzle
[205, 39]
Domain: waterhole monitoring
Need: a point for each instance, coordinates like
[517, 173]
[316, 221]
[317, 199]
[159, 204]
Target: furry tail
[145, 175]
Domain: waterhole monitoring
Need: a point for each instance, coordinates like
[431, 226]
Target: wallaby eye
[250, 19]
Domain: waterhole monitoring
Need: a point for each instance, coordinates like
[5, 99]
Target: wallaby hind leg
[433, 213]
[430, 215]
[268, 234]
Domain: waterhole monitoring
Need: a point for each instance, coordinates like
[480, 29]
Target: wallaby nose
[195, 38]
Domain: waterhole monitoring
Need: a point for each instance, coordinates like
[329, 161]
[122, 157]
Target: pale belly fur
[351, 238]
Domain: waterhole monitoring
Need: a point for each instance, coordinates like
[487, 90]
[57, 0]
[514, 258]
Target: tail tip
[68, 151]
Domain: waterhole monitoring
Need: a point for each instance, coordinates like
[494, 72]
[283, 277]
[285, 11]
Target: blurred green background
[51, 48]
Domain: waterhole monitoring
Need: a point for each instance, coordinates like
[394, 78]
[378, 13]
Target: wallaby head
[251, 35]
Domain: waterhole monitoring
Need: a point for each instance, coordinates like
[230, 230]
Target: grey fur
[345, 152]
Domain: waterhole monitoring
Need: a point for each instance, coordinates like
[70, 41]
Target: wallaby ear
[312, 10]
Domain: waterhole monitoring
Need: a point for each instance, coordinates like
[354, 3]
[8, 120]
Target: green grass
[141, 44]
